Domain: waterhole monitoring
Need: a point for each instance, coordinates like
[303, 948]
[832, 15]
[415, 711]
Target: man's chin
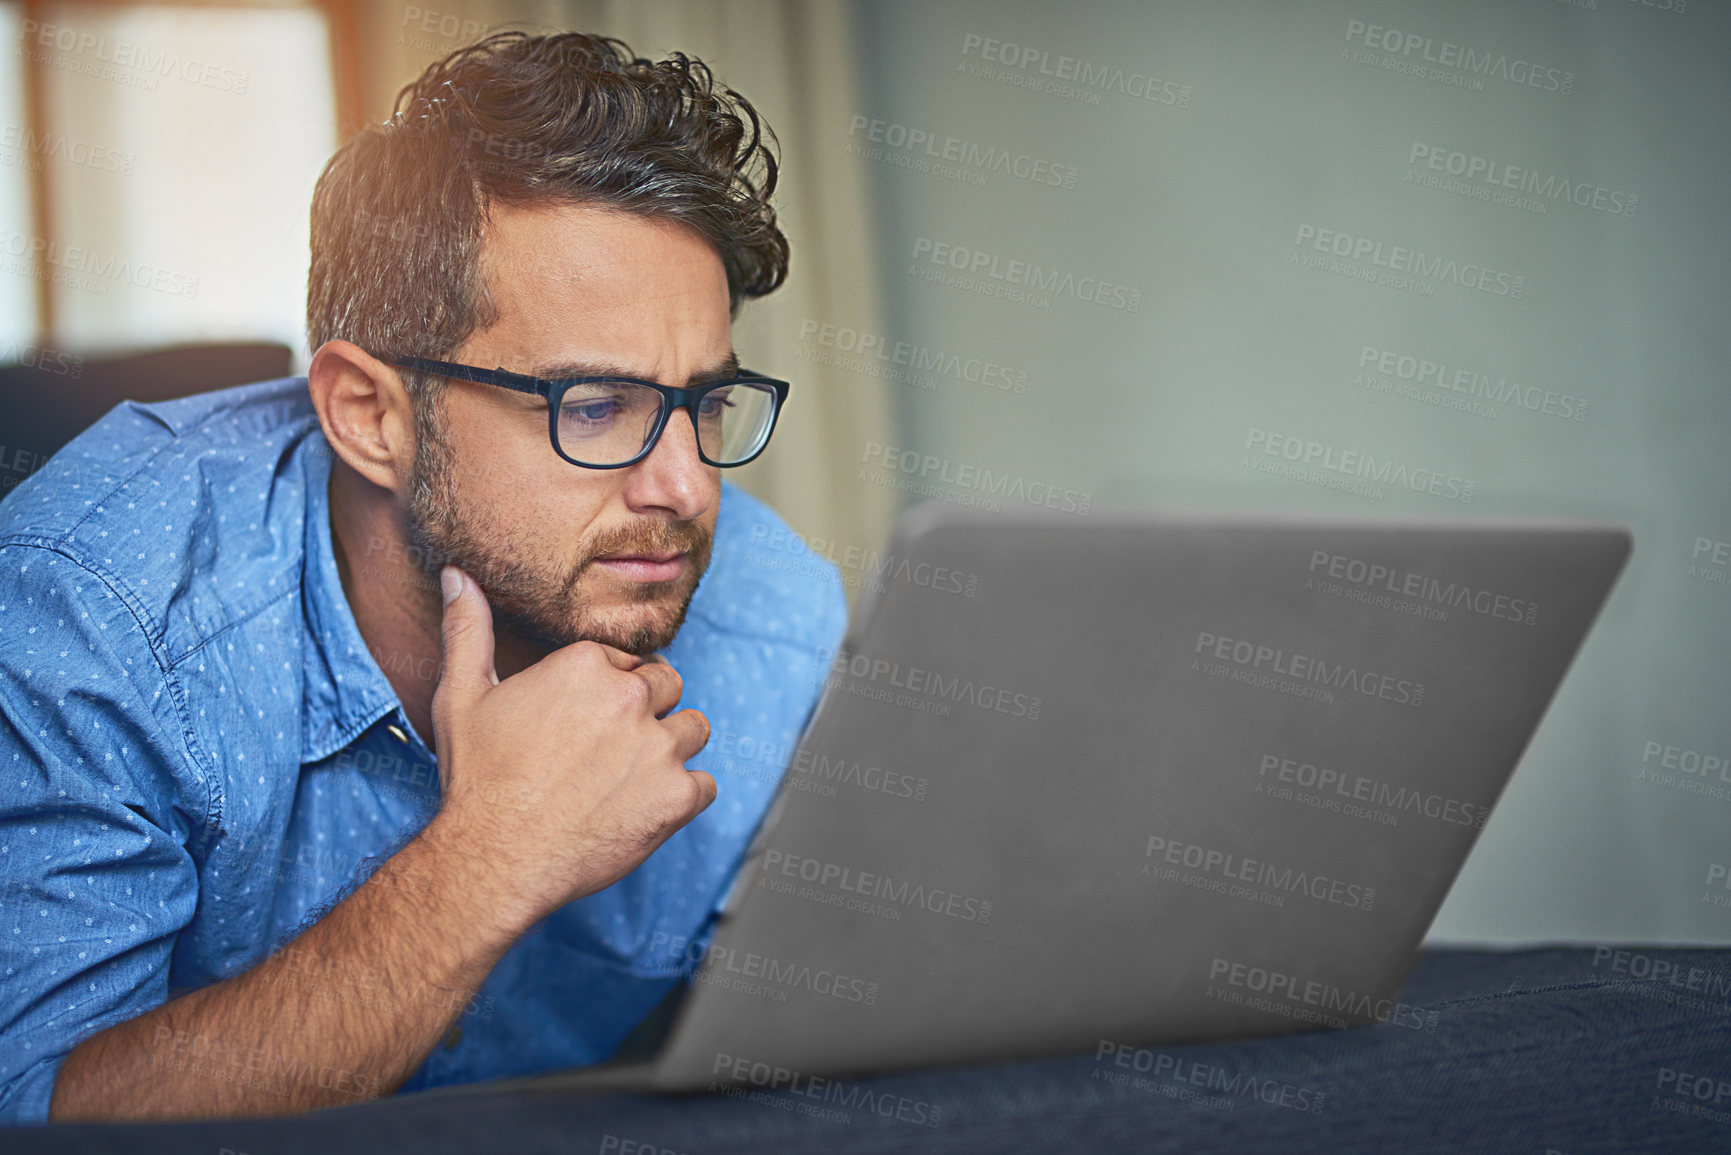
[637, 627]
[642, 637]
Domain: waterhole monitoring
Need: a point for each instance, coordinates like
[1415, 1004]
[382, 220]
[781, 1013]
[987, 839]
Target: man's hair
[400, 212]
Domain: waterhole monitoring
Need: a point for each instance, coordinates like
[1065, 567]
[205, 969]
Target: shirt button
[453, 1037]
[397, 732]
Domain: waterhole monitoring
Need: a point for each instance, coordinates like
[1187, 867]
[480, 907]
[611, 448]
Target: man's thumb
[467, 631]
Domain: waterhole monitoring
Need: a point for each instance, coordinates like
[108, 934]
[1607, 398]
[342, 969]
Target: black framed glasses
[613, 422]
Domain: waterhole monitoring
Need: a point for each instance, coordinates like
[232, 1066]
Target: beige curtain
[794, 61]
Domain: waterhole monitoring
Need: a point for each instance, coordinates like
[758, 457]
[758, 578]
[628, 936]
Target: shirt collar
[343, 690]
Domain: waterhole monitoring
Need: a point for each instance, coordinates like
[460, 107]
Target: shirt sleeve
[98, 803]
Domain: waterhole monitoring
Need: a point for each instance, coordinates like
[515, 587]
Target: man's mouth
[645, 567]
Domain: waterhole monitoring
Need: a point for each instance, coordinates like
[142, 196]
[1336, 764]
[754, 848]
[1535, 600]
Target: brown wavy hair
[400, 211]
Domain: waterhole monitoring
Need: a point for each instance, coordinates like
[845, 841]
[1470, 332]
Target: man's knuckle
[693, 794]
[686, 794]
[652, 677]
[668, 744]
[632, 690]
[585, 655]
[637, 690]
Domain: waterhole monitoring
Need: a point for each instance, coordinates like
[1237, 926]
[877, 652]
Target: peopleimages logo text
[966, 476]
[1313, 993]
[1259, 873]
[694, 955]
[57, 147]
[1071, 70]
[139, 57]
[1454, 379]
[1358, 788]
[853, 1096]
[931, 683]
[1026, 275]
[1455, 595]
[1400, 259]
[75, 259]
[1490, 171]
[1307, 668]
[915, 357]
[1448, 54]
[1365, 466]
[937, 900]
[986, 159]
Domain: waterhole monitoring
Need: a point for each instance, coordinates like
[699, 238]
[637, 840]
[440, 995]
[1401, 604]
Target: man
[237, 878]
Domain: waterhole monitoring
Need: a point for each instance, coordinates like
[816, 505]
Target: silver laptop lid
[1144, 776]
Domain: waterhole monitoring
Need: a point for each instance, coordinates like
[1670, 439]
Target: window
[180, 146]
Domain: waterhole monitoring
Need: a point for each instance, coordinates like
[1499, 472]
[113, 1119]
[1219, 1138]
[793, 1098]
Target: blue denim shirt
[199, 755]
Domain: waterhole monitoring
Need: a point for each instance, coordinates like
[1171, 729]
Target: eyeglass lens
[609, 422]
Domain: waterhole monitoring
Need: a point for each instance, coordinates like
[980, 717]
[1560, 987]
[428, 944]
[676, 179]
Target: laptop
[1136, 777]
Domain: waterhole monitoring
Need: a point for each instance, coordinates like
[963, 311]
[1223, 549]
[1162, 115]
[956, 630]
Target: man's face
[578, 290]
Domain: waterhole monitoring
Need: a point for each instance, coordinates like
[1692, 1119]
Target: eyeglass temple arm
[501, 376]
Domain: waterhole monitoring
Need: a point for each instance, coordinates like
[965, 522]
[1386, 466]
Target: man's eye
[715, 403]
[589, 411]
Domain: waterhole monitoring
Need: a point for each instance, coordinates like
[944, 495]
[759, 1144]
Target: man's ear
[365, 412]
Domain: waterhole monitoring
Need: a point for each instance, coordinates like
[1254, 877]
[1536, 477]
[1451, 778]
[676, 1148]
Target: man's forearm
[345, 1012]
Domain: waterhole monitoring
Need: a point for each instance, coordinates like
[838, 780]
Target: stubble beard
[549, 602]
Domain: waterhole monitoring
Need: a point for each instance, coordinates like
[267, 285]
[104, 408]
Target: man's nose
[673, 477]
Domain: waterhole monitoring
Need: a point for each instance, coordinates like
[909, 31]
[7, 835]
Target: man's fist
[559, 780]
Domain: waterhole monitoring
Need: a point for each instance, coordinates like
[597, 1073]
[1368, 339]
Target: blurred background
[1112, 252]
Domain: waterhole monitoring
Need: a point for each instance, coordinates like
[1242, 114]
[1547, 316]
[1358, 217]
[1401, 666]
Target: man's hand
[558, 781]
[561, 779]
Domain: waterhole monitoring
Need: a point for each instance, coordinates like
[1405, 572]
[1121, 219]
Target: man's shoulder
[155, 496]
[764, 582]
[140, 451]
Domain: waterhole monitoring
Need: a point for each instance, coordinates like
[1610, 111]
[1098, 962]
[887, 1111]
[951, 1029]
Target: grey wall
[1539, 208]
